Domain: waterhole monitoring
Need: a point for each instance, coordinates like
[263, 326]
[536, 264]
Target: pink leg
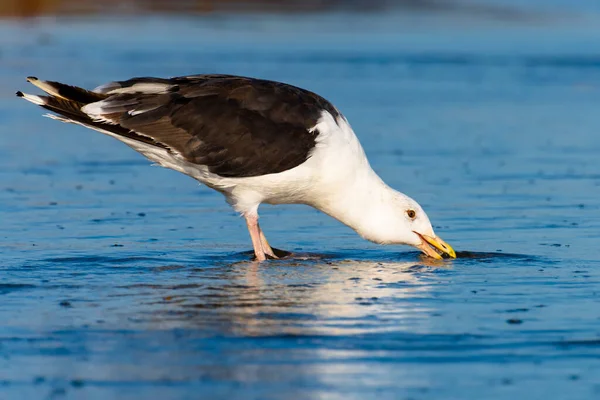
[265, 245]
[254, 229]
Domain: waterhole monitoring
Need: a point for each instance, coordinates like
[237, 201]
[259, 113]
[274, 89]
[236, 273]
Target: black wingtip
[20, 94]
[32, 78]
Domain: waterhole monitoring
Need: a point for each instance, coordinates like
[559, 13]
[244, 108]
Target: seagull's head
[401, 220]
[418, 232]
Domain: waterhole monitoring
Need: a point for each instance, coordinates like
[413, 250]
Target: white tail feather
[40, 101]
[45, 86]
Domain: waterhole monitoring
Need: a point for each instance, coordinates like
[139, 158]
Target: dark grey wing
[237, 127]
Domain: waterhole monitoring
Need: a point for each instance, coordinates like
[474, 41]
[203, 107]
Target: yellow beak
[430, 244]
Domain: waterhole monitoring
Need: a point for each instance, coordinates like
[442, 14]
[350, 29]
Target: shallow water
[120, 280]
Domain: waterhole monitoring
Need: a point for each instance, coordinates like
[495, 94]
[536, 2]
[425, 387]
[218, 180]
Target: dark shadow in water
[490, 255]
[405, 256]
[13, 287]
[288, 255]
[343, 258]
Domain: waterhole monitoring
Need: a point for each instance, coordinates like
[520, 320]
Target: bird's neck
[364, 203]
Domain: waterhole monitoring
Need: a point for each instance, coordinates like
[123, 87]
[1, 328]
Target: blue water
[119, 280]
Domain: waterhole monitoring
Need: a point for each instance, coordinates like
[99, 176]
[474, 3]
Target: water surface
[121, 280]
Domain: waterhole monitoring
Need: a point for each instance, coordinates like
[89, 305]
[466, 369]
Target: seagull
[255, 141]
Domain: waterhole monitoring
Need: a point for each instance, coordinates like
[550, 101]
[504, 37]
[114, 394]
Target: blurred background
[28, 8]
[490, 8]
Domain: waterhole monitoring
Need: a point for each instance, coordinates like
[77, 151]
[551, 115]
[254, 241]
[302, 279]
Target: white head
[390, 217]
[412, 227]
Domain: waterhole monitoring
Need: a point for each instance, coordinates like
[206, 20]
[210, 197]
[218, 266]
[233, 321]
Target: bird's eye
[411, 214]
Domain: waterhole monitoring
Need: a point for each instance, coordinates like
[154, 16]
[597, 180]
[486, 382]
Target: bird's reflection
[308, 297]
[291, 321]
